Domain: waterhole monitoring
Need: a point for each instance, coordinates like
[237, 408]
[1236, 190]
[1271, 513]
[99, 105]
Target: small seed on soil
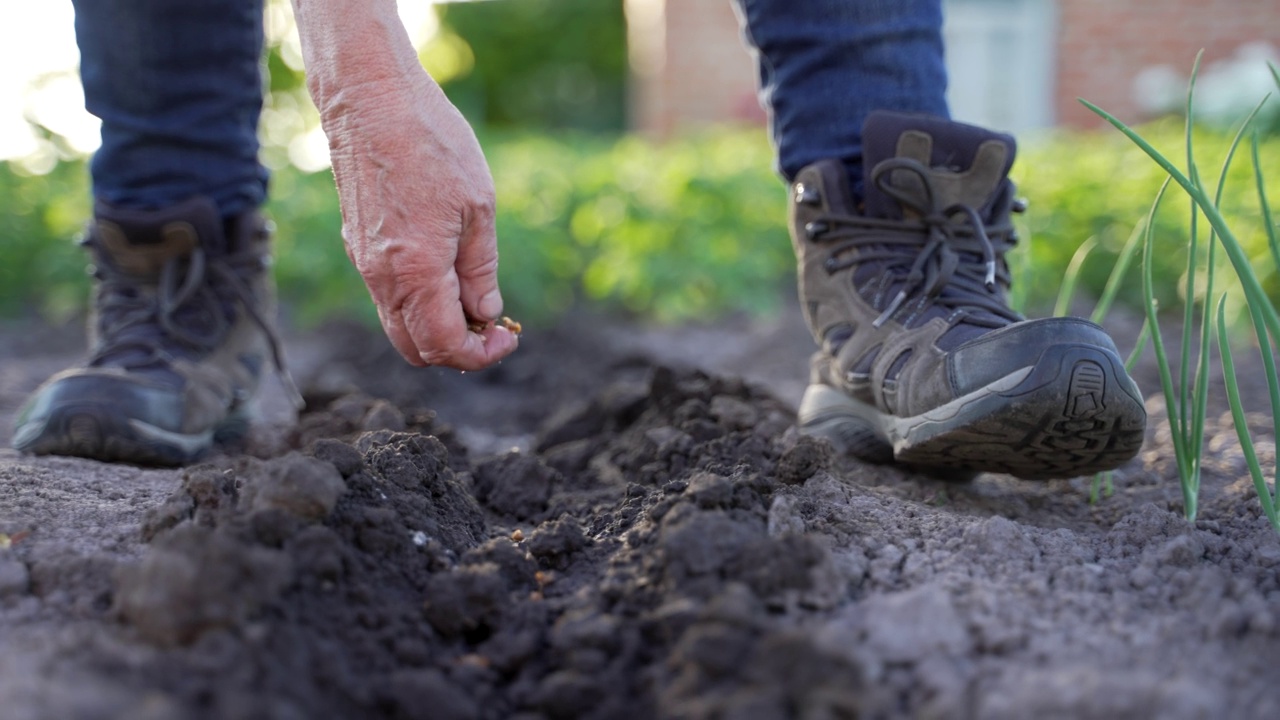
[474, 660]
[517, 535]
[8, 541]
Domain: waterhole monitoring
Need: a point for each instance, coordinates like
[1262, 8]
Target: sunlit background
[39, 72]
[1005, 58]
[628, 149]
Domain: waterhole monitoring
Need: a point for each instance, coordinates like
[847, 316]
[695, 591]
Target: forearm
[365, 79]
[356, 51]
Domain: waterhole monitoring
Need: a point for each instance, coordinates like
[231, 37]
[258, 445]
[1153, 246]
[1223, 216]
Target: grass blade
[1144, 336]
[1267, 221]
[1020, 265]
[1265, 494]
[1072, 276]
[1192, 171]
[1188, 321]
[1269, 368]
[1235, 145]
[1268, 356]
[1112, 288]
[1101, 486]
[1162, 362]
[1193, 250]
[1201, 401]
[1200, 397]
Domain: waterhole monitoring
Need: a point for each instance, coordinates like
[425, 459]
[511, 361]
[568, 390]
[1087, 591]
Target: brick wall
[692, 68]
[1104, 44]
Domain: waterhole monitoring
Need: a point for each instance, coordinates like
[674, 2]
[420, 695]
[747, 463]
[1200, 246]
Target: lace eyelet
[815, 229]
[806, 195]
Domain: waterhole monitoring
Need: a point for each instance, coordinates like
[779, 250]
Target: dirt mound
[662, 544]
[616, 572]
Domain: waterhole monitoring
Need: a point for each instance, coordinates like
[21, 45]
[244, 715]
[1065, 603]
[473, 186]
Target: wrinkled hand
[416, 194]
[418, 221]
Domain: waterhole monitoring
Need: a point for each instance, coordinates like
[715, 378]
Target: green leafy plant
[534, 63]
[1094, 185]
[1187, 401]
[40, 215]
[686, 228]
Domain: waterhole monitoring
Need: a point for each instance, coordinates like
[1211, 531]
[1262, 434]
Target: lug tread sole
[96, 433]
[1075, 413]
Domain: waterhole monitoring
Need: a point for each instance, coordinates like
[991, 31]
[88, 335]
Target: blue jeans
[178, 86]
[826, 64]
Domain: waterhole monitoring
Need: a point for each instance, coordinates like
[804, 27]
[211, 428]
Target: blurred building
[1015, 65]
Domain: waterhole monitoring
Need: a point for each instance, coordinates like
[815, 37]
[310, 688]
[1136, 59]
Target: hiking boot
[179, 335]
[922, 361]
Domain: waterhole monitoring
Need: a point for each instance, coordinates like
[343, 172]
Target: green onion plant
[1187, 400]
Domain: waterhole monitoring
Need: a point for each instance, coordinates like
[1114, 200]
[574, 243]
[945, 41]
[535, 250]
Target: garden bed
[659, 544]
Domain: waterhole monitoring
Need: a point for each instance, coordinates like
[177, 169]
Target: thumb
[477, 267]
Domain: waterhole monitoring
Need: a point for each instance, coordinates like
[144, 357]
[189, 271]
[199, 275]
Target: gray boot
[922, 362]
[179, 336]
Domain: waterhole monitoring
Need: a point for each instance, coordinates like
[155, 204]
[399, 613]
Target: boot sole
[90, 431]
[1075, 412]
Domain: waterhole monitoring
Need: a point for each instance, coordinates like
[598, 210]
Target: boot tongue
[137, 244]
[140, 242]
[966, 164]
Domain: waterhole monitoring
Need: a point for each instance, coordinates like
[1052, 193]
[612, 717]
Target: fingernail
[491, 305]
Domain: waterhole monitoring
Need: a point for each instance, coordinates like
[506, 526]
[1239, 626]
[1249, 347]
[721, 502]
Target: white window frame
[1001, 62]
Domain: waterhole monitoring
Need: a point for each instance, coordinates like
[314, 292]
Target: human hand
[418, 222]
[416, 194]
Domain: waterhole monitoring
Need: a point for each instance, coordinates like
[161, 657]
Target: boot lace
[947, 255]
[186, 315]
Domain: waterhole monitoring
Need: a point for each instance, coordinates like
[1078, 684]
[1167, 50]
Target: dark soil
[595, 529]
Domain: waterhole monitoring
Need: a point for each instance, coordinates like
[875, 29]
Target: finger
[439, 331]
[393, 326]
[499, 342]
[477, 266]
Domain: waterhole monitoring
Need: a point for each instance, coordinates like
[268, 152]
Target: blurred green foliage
[688, 228]
[533, 64]
[1101, 185]
[42, 272]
